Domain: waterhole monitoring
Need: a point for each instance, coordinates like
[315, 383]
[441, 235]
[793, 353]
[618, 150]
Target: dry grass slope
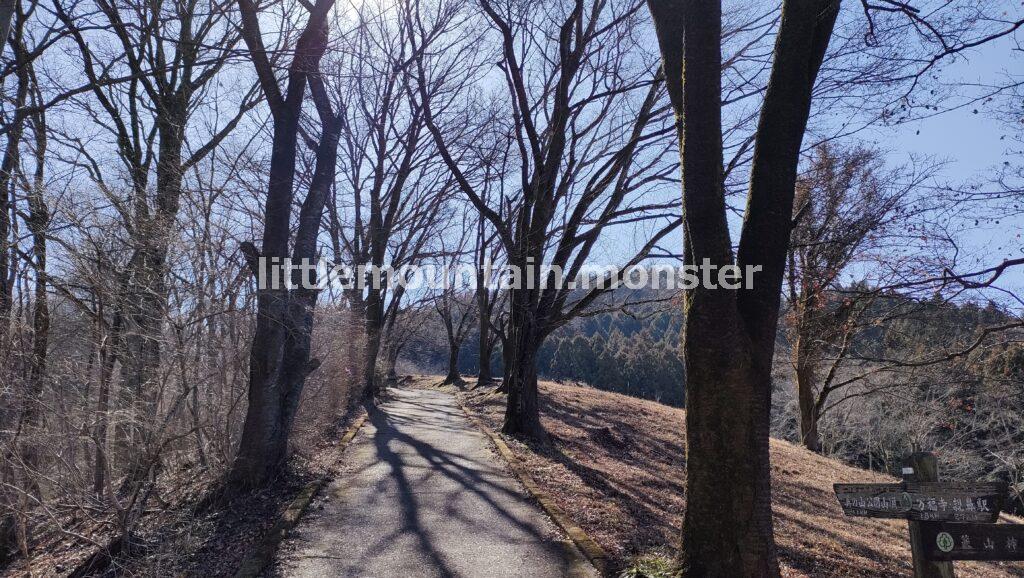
[616, 465]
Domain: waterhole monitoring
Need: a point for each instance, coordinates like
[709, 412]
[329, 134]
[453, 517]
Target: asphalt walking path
[424, 494]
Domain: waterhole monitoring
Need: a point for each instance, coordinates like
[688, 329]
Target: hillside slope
[617, 466]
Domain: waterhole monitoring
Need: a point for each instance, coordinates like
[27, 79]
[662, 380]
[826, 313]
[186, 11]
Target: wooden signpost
[947, 520]
[973, 541]
[923, 501]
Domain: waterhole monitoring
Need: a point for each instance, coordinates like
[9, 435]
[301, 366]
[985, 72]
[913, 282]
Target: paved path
[425, 495]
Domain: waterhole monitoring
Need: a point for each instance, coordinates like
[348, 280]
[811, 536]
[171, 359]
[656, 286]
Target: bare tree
[389, 202]
[581, 170]
[730, 334]
[280, 357]
[850, 212]
[454, 304]
[38, 221]
[487, 298]
[491, 152]
[10, 160]
[12, 178]
[163, 51]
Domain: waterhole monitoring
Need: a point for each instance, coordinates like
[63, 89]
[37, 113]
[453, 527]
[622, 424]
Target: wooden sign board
[924, 501]
[945, 541]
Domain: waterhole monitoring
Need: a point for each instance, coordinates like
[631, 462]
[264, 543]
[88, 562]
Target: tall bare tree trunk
[8, 165]
[147, 293]
[107, 359]
[11, 529]
[373, 327]
[483, 300]
[6, 17]
[31, 416]
[453, 375]
[730, 334]
[483, 296]
[522, 413]
[280, 358]
[806, 378]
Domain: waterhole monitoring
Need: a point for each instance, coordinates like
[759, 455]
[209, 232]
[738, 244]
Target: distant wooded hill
[635, 351]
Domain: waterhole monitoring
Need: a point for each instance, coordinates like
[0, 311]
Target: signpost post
[922, 467]
[947, 520]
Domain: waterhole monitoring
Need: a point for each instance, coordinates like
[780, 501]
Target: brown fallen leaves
[616, 465]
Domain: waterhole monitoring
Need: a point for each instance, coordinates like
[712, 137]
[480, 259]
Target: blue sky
[973, 147]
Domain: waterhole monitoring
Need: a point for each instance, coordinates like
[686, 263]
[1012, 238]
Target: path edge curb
[262, 555]
[590, 549]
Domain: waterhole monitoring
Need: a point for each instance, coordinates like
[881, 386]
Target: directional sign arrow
[950, 541]
[924, 501]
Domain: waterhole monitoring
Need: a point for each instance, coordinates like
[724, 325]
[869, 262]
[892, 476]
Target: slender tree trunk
[453, 376]
[38, 223]
[107, 360]
[371, 352]
[390, 361]
[8, 165]
[357, 347]
[202, 342]
[193, 389]
[805, 354]
[391, 348]
[15, 529]
[484, 376]
[806, 378]
[506, 356]
[809, 419]
[483, 302]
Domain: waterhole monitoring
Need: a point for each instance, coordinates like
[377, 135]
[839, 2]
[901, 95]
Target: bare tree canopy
[233, 233]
